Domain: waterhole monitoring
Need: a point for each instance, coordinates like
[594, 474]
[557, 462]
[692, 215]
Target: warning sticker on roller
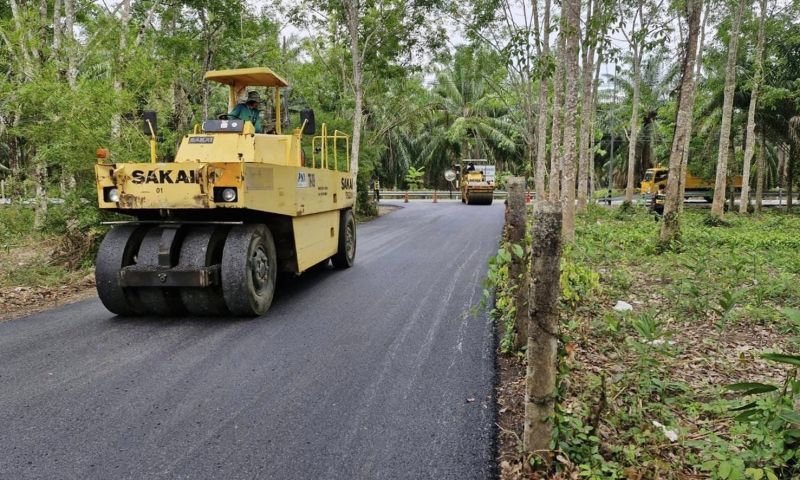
[306, 180]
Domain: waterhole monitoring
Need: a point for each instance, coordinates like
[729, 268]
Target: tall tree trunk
[69, 39]
[633, 135]
[670, 227]
[593, 123]
[794, 151]
[541, 124]
[751, 112]
[573, 11]
[44, 21]
[353, 18]
[40, 181]
[685, 160]
[57, 32]
[718, 205]
[27, 65]
[119, 64]
[760, 164]
[586, 107]
[558, 112]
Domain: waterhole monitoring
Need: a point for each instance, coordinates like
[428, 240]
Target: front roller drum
[117, 251]
[249, 270]
[480, 198]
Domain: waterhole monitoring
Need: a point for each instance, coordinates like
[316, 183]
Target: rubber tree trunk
[570, 119]
[718, 205]
[670, 227]
[517, 273]
[586, 106]
[353, 18]
[751, 112]
[790, 163]
[119, 85]
[69, 41]
[593, 123]
[57, 33]
[25, 39]
[40, 181]
[685, 161]
[633, 136]
[543, 328]
[541, 121]
[760, 165]
[558, 112]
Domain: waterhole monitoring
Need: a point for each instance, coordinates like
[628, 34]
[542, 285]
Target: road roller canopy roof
[247, 77]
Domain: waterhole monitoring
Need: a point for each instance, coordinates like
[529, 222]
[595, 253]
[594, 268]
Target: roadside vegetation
[684, 380]
[42, 267]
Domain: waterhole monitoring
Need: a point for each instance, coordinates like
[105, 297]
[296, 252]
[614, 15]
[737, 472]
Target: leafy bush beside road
[659, 391]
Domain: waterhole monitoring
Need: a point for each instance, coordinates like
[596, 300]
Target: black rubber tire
[249, 270]
[346, 252]
[708, 199]
[202, 247]
[159, 301]
[117, 250]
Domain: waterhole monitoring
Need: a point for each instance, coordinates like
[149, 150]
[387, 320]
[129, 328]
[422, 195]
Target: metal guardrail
[424, 194]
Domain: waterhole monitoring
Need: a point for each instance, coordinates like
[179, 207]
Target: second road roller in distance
[477, 182]
[214, 228]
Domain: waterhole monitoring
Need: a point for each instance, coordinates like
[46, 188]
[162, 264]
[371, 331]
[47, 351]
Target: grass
[643, 392]
[26, 254]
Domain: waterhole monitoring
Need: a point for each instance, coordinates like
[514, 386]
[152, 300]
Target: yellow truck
[655, 180]
[212, 229]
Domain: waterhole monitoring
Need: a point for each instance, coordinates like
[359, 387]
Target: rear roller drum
[118, 250]
[346, 252]
[202, 247]
[156, 300]
[249, 268]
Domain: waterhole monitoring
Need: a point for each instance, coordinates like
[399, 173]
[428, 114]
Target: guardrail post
[435, 200]
[543, 328]
[405, 197]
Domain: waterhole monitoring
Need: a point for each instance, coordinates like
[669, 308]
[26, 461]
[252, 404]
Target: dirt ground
[21, 301]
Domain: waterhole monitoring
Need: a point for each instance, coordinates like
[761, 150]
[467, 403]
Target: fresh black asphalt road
[379, 371]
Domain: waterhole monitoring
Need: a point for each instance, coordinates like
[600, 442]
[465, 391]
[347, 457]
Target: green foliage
[500, 289]
[577, 283]
[414, 178]
[770, 426]
[741, 279]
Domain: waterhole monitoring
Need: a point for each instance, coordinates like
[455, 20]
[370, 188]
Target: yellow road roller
[477, 182]
[213, 228]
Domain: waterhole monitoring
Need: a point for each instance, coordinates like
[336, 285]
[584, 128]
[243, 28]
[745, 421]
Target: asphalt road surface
[379, 371]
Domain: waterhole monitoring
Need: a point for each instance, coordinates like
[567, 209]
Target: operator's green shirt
[243, 112]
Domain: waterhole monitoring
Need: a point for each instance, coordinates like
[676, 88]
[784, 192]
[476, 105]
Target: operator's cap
[253, 97]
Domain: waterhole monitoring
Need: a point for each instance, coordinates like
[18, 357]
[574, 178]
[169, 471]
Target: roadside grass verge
[41, 268]
[643, 392]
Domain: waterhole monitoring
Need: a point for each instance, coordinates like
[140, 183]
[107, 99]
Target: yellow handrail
[323, 141]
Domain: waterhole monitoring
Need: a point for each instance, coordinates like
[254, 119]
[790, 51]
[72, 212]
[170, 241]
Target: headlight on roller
[111, 194]
[229, 194]
[225, 194]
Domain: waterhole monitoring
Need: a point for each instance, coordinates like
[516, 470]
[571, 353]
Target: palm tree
[467, 118]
